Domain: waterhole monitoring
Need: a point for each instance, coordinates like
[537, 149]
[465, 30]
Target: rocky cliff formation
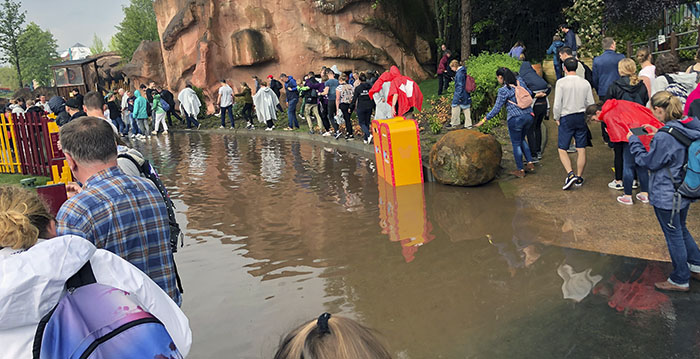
[203, 41]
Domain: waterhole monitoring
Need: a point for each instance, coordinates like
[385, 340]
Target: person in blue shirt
[569, 38]
[605, 68]
[461, 100]
[292, 94]
[519, 120]
[517, 50]
[665, 160]
[554, 50]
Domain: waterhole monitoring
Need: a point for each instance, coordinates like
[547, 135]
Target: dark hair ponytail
[508, 76]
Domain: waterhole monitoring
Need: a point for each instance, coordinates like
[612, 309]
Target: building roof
[74, 62]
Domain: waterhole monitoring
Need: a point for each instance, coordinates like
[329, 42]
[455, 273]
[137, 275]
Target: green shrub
[435, 125]
[483, 69]
[200, 94]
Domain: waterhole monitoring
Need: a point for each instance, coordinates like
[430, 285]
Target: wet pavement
[279, 231]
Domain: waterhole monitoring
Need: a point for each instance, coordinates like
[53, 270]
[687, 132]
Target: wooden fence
[29, 144]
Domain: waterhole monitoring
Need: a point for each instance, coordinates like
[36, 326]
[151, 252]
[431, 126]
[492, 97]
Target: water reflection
[402, 216]
[280, 231]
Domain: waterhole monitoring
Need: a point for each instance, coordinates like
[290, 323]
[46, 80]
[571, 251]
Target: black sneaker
[337, 135]
[311, 132]
[579, 181]
[569, 181]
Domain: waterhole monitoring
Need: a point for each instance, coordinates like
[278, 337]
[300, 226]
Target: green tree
[8, 78]
[97, 46]
[11, 27]
[139, 24]
[112, 46]
[37, 53]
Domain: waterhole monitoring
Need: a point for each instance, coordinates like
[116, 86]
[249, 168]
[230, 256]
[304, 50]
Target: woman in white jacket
[34, 273]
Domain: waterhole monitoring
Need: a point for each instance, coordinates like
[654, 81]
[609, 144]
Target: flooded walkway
[279, 231]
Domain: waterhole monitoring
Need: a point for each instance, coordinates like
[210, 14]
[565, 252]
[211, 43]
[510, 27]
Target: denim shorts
[573, 126]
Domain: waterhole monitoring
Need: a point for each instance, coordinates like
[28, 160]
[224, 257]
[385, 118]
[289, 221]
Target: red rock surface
[206, 40]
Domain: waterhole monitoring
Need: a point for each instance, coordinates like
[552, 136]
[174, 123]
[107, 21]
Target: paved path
[589, 217]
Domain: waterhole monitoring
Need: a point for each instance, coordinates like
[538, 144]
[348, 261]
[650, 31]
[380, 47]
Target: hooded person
[58, 107]
[189, 105]
[35, 271]
[266, 103]
[380, 94]
[404, 95]
[141, 114]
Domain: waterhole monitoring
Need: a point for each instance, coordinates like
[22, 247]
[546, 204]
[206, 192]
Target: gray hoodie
[689, 81]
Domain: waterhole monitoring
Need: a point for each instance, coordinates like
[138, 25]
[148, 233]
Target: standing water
[280, 231]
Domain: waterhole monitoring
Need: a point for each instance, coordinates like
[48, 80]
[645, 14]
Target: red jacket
[620, 116]
[409, 94]
[442, 66]
[387, 76]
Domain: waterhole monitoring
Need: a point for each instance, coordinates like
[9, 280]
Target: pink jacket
[695, 95]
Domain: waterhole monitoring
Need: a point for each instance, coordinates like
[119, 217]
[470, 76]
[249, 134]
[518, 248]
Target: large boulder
[465, 158]
[146, 65]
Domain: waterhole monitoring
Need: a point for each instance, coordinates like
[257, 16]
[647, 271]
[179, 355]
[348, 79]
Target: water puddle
[280, 231]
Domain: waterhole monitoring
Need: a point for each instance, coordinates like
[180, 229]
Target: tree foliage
[97, 46]
[37, 53]
[139, 24]
[8, 78]
[11, 27]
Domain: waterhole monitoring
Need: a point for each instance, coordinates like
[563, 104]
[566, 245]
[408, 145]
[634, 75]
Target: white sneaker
[326, 134]
[369, 139]
[154, 133]
[635, 184]
[221, 127]
[165, 132]
[616, 185]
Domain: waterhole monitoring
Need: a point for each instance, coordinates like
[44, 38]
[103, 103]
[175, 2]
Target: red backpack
[469, 84]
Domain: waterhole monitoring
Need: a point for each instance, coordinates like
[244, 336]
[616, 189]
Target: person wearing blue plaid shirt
[123, 214]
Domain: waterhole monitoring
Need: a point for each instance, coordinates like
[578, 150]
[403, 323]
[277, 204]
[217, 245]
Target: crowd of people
[326, 100]
[647, 117]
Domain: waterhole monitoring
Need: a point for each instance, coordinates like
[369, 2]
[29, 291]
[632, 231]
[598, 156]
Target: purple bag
[97, 321]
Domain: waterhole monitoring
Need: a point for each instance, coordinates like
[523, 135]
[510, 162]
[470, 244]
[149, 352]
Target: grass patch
[15, 179]
[429, 88]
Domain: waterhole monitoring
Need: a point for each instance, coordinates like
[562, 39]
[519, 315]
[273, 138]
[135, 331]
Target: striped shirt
[127, 216]
[506, 96]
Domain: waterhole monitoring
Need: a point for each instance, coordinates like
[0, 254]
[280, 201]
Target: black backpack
[176, 235]
[147, 171]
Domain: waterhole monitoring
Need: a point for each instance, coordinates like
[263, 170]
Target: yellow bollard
[398, 156]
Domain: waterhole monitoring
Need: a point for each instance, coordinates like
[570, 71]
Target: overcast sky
[73, 21]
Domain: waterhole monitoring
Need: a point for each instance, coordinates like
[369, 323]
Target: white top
[125, 102]
[572, 94]
[649, 72]
[33, 281]
[226, 94]
[45, 106]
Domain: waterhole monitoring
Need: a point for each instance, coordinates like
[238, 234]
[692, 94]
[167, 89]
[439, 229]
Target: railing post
[629, 48]
[674, 43]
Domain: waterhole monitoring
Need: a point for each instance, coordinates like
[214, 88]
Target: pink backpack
[522, 97]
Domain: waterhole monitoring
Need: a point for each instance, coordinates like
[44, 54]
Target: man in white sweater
[571, 97]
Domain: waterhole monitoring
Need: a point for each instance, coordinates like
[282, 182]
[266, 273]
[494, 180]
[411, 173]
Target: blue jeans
[134, 125]
[224, 110]
[120, 124]
[191, 120]
[292, 113]
[629, 168]
[681, 245]
[517, 129]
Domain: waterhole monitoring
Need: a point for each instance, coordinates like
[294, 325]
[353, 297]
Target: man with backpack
[312, 90]
[123, 214]
[605, 68]
[572, 96]
[462, 99]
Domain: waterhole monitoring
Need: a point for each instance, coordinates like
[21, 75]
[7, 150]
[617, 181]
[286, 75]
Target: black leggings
[247, 112]
[619, 159]
[331, 116]
[534, 134]
[345, 110]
